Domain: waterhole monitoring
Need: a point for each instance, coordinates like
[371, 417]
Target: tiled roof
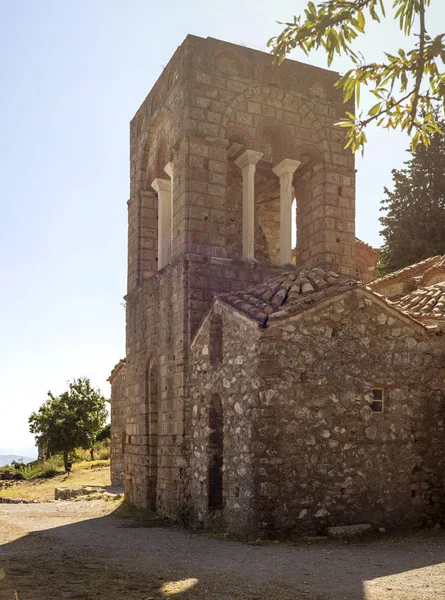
[288, 293]
[410, 271]
[425, 302]
[433, 270]
[440, 262]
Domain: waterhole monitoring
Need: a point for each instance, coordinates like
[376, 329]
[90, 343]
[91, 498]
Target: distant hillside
[6, 459]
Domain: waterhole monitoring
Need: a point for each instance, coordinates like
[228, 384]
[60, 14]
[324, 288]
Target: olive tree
[71, 420]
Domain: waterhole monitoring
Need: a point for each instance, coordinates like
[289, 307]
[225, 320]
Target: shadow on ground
[76, 550]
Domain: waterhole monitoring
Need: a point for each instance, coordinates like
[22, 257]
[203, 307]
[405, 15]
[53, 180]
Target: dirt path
[78, 550]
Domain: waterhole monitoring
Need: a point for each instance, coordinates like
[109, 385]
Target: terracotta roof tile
[432, 272]
[425, 302]
[288, 293]
[411, 270]
[440, 262]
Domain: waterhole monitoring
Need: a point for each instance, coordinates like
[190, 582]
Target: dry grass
[83, 473]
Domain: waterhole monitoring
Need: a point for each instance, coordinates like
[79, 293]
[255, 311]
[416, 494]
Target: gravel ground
[80, 550]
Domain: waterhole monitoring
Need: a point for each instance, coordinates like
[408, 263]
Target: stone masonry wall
[327, 457]
[211, 96]
[234, 379]
[161, 320]
[156, 343]
[117, 405]
[317, 454]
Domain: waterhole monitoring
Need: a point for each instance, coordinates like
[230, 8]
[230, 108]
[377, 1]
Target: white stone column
[163, 187]
[285, 171]
[247, 162]
[169, 170]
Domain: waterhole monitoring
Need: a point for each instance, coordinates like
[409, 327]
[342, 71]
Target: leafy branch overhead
[409, 86]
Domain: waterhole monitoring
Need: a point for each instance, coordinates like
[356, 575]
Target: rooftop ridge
[405, 270]
[292, 289]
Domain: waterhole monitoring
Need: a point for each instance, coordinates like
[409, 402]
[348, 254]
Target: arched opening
[234, 204]
[161, 158]
[238, 141]
[267, 214]
[215, 454]
[151, 412]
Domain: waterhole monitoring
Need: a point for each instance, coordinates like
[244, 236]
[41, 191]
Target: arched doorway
[152, 386]
[215, 454]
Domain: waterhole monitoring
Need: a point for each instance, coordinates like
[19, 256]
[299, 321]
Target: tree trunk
[92, 453]
[65, 461]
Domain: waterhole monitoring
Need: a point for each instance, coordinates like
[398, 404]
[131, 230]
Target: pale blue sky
[72, 74]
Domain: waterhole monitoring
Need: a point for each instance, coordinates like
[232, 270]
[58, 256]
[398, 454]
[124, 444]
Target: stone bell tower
[220, 148]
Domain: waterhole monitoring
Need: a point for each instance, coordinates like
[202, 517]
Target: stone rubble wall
[326, 458]
[117, 441]
[235, 381]
[161, 320]
[366, 259]
[310, 452]
[71, 493]
[211, 97]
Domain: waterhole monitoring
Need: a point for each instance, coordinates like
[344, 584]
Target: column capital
[169, 169]
[287, 165]
[161, 185]
[248, 157]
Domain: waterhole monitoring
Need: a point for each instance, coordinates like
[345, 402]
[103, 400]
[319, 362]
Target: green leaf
[375, 109]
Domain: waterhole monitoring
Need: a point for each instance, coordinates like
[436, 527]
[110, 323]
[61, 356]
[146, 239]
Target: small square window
[378, 402]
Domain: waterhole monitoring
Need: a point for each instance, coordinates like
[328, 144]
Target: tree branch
[421, 65]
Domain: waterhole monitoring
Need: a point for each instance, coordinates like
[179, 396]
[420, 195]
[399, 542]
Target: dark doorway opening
[152, 376]
[216, 443]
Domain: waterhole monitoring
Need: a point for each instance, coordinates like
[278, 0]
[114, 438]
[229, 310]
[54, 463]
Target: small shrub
[45, 469]
[48, 474]
[18, 465]
[101, 451]
[80, 455]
